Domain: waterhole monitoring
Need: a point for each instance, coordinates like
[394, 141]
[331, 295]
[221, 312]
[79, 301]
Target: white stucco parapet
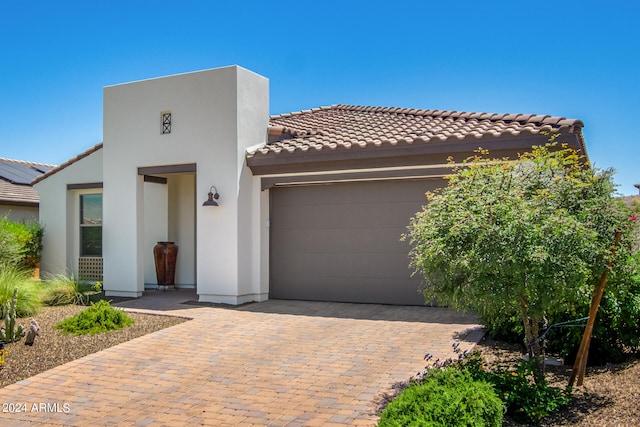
[215, 115]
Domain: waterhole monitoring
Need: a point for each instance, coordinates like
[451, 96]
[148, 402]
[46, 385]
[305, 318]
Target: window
[91, 225]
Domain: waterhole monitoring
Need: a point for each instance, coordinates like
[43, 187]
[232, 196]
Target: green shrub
[97, 318]
[10, 251]
[526, 400]
[20, 243]
[32, 245]
[64, 289]
[446, 397]
[523, 398]
[29, 292]
[507, 328]
[616, 332]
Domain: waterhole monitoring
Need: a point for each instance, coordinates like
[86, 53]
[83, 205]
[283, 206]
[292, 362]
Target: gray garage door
[341, 242]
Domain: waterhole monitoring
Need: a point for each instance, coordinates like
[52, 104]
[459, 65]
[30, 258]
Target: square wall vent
[166, 122]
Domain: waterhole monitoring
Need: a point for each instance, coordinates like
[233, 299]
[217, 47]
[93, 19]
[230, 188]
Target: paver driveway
[273, 363]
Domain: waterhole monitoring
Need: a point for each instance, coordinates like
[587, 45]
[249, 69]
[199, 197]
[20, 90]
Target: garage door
[341, 242]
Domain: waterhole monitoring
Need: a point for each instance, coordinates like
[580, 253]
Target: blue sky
[577, 59]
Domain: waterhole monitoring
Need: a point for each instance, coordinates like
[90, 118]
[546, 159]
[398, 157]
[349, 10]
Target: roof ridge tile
[524, 118]
[26, 163]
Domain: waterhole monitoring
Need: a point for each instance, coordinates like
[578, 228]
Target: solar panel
[40, 169]
[17, 174]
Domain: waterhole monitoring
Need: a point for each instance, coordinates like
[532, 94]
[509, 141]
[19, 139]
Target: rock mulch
[53, 348]
[610, 395]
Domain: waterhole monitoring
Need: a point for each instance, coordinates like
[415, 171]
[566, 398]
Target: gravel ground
[610, 395]
[53, 348]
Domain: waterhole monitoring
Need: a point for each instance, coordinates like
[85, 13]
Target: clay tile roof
[14, 186]
[67, 163]
[551, 120]
[341, 127]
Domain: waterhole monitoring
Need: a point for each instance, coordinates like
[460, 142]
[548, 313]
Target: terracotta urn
[165, 255]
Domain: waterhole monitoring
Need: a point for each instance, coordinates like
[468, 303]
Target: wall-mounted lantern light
[211, 196]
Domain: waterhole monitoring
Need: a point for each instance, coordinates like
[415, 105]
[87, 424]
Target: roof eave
[21, 203]
[399, 155]
[67, 163]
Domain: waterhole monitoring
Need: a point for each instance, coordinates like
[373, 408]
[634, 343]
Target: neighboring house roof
[68, 163]
[341, 134]
[15, 179]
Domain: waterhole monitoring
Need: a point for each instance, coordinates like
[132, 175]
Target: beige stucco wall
[182, 227]
[216, 115]
[19, 213]
[60, 213]
[156, 229]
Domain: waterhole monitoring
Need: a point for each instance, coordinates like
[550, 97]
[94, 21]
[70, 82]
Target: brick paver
[278, 363]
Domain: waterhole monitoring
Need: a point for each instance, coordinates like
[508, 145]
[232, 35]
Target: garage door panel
[355, 265]
[374, 291]
[341, 242]
[329, 240]
[347, 216]
[367, 192]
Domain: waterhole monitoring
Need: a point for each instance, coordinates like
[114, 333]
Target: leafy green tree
[11, 252]
[20, 242]
[526, 238]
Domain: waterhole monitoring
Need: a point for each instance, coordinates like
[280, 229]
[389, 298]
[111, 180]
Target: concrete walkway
[279, 363]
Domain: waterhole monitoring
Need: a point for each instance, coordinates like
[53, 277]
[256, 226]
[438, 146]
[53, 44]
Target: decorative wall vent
[166, 122]
[90, 269]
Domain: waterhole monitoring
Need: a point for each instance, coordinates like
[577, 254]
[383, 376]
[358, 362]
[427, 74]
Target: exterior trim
[392, 156]
[157, 170]
[84, 186]
[155, 179]
[19, 203]
[279, 181]
[398, 155]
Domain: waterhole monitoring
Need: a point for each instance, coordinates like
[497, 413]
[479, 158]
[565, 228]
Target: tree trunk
[534, 349]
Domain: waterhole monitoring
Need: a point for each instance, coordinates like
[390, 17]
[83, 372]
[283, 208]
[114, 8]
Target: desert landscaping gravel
[53, 348]
[610, 396]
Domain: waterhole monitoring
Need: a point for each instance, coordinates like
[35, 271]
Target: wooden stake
[580, 365]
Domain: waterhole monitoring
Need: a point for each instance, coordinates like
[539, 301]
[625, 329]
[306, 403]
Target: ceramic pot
[165, 255]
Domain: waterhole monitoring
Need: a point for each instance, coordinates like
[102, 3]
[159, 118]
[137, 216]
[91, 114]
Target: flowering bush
[616, 332]
[97, 287]
[523, 239]
[3, 354]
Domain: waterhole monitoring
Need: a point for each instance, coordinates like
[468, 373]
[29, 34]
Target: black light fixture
[210, 201]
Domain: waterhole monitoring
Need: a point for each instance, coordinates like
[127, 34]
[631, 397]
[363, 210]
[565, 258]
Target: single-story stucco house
[311, 204]
[19, 201]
